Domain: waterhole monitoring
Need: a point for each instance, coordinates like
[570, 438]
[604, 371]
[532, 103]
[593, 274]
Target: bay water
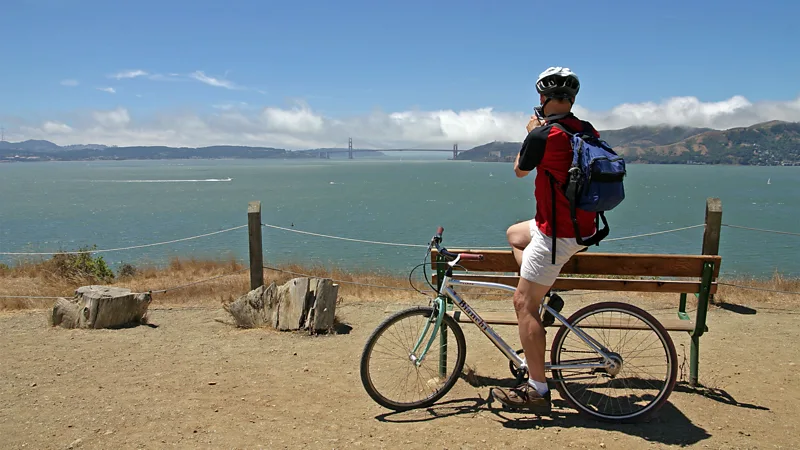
[47, 207]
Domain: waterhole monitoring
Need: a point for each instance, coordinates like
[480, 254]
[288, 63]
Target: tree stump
[299, 304]
[101, 307]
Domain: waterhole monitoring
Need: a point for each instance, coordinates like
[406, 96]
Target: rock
[299, 304]
[101, 307]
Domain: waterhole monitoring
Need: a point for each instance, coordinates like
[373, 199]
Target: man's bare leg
[527, 298]
[519, 236]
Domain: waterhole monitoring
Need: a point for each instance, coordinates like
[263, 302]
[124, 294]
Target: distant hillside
[649, 136]
[764, 144]
[48, 151]
[492, 152]
[155, 152]
[32, 146]
[769, 143]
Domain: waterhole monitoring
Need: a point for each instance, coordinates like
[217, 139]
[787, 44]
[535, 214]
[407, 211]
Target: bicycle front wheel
[390, 372]
[644, 355]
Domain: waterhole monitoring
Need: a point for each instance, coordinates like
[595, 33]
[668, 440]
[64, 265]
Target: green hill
[649, 136]
[765, 144]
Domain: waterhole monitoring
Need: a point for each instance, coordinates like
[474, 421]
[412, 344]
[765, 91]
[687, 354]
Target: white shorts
[537, 258]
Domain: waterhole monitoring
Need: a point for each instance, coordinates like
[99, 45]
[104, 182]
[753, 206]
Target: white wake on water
[207, 180]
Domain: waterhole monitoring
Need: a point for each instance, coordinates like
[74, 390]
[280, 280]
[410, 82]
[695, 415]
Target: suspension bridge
[325, 154]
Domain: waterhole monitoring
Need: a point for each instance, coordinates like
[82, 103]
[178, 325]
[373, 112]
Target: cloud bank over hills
[300, 127]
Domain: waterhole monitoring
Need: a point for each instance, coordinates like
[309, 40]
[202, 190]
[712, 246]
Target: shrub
[81, 266]
[126, 271]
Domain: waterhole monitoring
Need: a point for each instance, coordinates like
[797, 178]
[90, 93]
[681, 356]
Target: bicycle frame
[448, 294]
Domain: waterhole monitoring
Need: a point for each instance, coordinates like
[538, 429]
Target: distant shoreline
[372, 158]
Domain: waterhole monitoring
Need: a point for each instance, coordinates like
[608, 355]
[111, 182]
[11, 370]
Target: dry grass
[778, 282]
[43, 279]
[39, 279]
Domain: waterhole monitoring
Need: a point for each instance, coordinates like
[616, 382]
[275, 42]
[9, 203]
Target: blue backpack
[595, 183]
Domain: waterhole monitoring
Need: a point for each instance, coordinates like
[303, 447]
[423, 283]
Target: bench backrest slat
[586, 263]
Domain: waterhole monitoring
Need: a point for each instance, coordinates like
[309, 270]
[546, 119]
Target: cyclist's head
[557, 88]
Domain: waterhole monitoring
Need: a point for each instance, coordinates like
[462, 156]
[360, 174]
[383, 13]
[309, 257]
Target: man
[546, 149]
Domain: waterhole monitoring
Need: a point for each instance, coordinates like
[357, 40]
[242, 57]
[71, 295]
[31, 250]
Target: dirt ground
[188, 380]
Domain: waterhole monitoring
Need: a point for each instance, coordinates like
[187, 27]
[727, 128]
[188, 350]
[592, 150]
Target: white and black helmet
[558, 82]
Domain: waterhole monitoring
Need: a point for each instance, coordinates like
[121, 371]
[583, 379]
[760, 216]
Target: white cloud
[69, 83]
[129, 74]
[110, 90]
[734, 111]
[211, 81]
[301, 127]
[168, 77]
[56, 127]
[117, 118]
[231, 106]
[294, 121]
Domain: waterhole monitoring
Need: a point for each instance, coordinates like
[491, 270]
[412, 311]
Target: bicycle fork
[439, 311]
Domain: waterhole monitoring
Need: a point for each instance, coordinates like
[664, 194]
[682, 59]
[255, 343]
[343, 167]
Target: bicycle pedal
[526, 410]
[555, 302]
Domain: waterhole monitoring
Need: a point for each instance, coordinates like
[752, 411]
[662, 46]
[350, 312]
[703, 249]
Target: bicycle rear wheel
[388, 371]
[639, 344]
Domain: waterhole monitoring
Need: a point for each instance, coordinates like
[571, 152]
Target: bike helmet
[558, 82]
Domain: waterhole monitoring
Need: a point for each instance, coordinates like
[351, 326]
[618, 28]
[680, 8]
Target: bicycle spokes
[639, 373]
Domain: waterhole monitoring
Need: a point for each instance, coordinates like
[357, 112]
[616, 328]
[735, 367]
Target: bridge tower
[455, 151]
[349, 148]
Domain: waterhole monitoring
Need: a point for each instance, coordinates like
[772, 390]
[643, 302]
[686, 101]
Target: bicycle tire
[389, 403]
[653, 324]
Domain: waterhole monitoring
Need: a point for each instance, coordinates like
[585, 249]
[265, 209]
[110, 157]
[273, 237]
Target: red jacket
[547, 148]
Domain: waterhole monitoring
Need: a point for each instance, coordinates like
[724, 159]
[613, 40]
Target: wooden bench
[624, 272]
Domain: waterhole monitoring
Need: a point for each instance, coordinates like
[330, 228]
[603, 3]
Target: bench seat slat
[587, 263]
[510, 318]
[599, 284]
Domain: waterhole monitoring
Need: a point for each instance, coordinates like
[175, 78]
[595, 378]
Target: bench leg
[694, 361]
[700, 321]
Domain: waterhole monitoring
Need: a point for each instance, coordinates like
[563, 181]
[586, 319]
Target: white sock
[540, 387]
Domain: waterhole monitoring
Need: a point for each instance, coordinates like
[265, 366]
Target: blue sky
[308, 73]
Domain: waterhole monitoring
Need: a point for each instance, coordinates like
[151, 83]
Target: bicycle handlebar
[465, 256]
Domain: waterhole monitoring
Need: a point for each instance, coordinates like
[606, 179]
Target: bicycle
[603, 363]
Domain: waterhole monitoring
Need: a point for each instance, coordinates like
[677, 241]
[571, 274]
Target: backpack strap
[553, 206]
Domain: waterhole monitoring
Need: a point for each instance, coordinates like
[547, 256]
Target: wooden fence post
[256, 250]
[713, 226]
[713, 229]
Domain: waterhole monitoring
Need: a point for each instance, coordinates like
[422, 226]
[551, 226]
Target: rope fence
[341, 281]
[760, 229]
[174, 288]
[122, 248]
[753, 288]
[363, 241]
